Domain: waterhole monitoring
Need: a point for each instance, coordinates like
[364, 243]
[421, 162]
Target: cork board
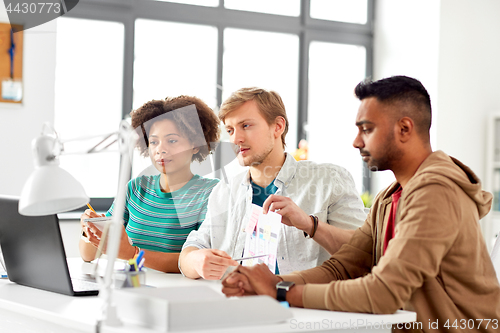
[5, 64]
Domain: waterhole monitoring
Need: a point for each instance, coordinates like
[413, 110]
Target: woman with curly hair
[161, 210]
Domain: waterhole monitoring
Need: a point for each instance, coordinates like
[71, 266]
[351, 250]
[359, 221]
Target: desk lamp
[52, 190]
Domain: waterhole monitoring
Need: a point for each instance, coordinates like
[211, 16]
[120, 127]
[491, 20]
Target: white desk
[24, 309]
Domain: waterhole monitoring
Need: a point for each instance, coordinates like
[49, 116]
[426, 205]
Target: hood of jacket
[439, 163]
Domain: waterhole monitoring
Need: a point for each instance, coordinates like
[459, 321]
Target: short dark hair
[401, 90]
[161, 109]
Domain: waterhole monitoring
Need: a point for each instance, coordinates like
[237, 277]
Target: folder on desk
[174, 309]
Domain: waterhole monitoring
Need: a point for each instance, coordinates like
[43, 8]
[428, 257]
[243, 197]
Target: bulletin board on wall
[11, 78]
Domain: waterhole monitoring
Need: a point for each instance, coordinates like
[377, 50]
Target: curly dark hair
[145, 116]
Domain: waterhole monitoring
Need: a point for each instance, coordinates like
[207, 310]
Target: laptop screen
[33, 249]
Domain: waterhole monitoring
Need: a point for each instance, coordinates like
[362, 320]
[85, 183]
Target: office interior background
[84, 71]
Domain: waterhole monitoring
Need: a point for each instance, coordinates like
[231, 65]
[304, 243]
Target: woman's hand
[85, 227]
[126, 250]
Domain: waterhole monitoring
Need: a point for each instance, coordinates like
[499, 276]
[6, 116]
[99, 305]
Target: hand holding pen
[89, 242]
[210, 264]
[89, 213]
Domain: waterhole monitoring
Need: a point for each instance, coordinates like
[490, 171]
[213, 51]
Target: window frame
[306, 28]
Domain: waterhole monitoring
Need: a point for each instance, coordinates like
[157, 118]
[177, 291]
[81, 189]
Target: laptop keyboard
[83, 285]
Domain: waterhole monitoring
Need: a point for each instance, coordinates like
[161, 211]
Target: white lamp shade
[51, 190]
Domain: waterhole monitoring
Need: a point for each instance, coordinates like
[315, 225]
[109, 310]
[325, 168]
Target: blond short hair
[268, 102]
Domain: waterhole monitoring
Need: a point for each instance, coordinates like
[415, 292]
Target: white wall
[469, 72]
[20, 124]
[406, 42]
[452, 47]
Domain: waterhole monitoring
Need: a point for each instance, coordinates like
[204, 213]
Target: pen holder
[129, 279]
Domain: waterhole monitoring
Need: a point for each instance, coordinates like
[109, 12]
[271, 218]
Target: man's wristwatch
[282, 287]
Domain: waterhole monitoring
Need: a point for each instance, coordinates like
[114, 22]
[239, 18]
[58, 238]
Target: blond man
[301, 192]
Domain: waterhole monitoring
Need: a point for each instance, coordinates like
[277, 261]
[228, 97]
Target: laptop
[33, 252]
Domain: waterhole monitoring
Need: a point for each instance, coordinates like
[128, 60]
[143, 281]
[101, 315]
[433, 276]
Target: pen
[141, 264]
[92, 209]
[134, 279]
[88, 205]
[133, 265]
[248, 258]
[139, 256]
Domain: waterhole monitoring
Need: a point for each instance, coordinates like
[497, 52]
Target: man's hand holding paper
[291, 214]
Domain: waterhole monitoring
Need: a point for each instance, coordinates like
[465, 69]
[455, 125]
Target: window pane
[88, 97]
[177, 59]
[266, 60]
[278, 7]
[351, 11]
[334, 71]
[173, 59]
[207, 3]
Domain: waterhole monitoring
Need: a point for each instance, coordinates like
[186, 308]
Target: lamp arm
[57, 144]
[127, 139]
[106, 141]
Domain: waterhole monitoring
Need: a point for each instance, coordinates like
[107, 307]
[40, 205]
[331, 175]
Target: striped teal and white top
[160, 221]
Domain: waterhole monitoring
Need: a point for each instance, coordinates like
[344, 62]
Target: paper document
[12, 90]
[99, 222]
[263, 234]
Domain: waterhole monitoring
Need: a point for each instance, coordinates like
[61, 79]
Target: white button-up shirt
[324, 190]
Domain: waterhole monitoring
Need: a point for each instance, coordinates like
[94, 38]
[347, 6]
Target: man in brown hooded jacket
[421, 246]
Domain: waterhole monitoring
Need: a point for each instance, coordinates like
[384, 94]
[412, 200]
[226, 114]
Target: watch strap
[281, 294]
